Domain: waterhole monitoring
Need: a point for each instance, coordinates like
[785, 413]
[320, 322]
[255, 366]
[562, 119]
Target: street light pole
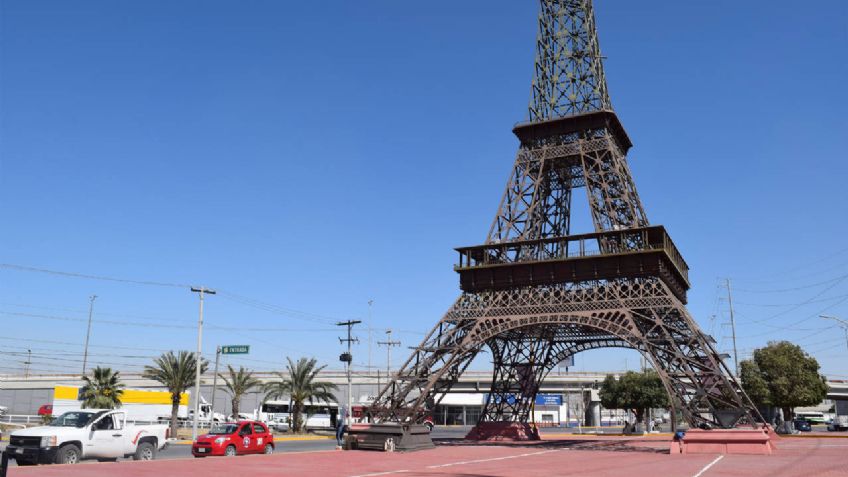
[88, 333]
[28, 362]
[841, 323]
[215, 385]
[197, 360]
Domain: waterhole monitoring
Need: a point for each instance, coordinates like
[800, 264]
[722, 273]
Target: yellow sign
[130, 396]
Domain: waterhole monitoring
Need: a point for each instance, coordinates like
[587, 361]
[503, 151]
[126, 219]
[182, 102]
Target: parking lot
[557, 454]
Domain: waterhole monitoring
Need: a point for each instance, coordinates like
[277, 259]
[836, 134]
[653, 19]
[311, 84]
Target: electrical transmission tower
[535, 293]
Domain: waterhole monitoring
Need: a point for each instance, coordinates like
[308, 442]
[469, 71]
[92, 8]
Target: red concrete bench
[724, 441]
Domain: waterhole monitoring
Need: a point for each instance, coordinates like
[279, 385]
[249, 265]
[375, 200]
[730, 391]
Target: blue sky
[313, 156]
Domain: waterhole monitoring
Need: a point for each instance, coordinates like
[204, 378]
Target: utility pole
[215, 384]
[88, 333]
[732, 329]
[840, 322]
[388, 344]
[347, 358]
[201, 291]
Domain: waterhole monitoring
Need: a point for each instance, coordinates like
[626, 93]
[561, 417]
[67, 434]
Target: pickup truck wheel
[145, 451]
[269, 449]
[68, 454]
[230, 451]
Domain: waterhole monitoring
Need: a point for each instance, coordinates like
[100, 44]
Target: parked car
[802, 425]
[90, 434]
[235, 438]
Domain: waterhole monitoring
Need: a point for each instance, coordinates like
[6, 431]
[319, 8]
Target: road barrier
[25, 419]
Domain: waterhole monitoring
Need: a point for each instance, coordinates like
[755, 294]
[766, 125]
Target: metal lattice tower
[534, 294]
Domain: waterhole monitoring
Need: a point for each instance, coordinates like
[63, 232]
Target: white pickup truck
[88, 434]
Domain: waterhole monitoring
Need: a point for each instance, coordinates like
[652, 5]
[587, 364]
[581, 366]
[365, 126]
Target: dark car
[802, 425]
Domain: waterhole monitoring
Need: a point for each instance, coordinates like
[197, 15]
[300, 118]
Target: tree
[176, 372]
[103, 390]
[783, 375]
[239, 383]
[299, 385]
[634, 391]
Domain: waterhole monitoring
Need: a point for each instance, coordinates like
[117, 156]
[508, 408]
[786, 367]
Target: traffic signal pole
[347, 358]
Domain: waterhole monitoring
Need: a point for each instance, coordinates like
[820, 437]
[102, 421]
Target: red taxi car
[234, 438]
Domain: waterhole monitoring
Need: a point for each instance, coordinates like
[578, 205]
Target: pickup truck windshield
[223, 429]
[74, 419]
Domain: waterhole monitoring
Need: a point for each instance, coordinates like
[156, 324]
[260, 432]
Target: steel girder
[536, 202]
[530, 330]
[569, 73]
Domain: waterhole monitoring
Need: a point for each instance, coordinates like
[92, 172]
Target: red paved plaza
[603, 456]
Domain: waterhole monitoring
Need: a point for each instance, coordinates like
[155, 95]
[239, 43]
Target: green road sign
[235, 349]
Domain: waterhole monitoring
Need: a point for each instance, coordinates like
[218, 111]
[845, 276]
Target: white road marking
[381, 473]
[489, 460]
[812, 446]
[707, 467]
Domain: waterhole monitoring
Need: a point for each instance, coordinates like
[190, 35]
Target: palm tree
[176, 372]
[103, 390]
[239, 383]
[298, 383]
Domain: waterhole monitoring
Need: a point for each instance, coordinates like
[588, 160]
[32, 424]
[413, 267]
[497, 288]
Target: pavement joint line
[490, 460]
[381, 473]
[707, 467]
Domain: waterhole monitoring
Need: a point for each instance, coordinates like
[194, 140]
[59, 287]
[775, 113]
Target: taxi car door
[260, 437]
[246, 442]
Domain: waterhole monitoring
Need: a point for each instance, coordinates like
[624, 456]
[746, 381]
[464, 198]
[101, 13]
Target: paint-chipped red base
[503, 431]
[724, 441]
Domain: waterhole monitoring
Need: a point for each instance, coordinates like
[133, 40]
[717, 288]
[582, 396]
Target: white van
[319, 415]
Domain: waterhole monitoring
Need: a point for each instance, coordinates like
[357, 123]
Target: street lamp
[840, 322]
[201, 291]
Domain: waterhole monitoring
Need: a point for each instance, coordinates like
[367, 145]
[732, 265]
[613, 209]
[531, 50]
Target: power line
[782, 305]
[25, 268]
[833, 266]
[800, 287]
[803, 320]
[159, 325]
[271, 308]
[328, 320]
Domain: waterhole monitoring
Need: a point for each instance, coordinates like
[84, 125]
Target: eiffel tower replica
[534, 294]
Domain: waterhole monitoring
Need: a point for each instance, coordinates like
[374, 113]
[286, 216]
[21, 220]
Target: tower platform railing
[633, 252]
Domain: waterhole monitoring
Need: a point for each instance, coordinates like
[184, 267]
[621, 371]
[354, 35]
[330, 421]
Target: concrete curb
[276, 439]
